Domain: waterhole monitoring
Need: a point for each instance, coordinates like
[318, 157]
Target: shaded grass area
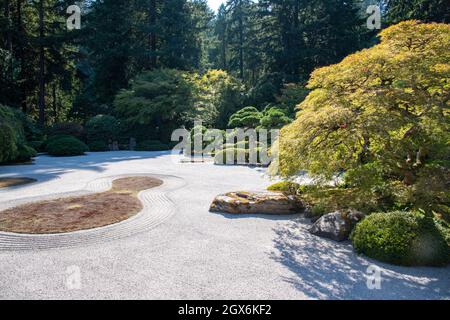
[13, 182]
[79, 213]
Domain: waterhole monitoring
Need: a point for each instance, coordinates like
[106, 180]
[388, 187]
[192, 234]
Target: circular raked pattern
[157, 207]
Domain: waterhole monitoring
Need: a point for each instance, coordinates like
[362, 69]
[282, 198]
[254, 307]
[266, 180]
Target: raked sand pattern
[176, 249]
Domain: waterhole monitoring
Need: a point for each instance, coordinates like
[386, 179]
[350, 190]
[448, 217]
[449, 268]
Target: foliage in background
[248, 117]
[102, 128]
[162, 99]
[66, 146]
[14, 129]
[217, 96]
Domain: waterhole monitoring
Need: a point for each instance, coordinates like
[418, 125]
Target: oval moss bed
[81, 212]
[14, 182]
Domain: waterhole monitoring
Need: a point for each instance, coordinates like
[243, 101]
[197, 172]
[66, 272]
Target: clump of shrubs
[98, 146]
[402, 238]
[25, 153]
[289, 187]
[64, 146]
[152, 145]
[68, 129]
[240, 156]
[102, 128]
[13, 143]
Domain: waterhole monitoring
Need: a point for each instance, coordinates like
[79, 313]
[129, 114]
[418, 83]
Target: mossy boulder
[262, 202]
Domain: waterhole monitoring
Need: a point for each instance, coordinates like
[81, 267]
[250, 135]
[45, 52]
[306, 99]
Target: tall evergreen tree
[425, 10]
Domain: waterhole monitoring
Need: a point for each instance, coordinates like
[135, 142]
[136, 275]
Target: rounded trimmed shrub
[152, 145]
[221, 155]
[66, 146]
[102, 128]
[402, 238]
[98, 146]
[67, 129]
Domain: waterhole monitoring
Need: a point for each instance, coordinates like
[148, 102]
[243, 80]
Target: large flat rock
[263, 202]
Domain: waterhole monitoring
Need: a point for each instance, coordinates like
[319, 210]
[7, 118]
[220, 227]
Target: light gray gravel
[193, 254]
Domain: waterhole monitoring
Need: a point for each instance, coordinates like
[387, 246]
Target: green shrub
[320, 208]
[25, 153]
[246, 144]
[285, 186]
[248, 117]
[8, 147]
[14, 128]
[37, 145]
[66, 146]
[98, 146]
[403, 238]
[52, 139]
[151, 145]
[102, 128]
[67, 129]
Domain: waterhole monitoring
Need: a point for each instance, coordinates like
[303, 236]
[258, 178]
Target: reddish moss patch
[79, 213]
[13, 182]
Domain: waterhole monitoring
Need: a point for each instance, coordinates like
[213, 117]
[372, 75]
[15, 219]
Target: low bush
[66, 146]
[102, 128]
[241, 156]
[8, 147]
[152, 145]
[25, 152]
[67, 129]
[98, 146]
[37, 145]
[14, 126]
[403, 238]
[285, 186]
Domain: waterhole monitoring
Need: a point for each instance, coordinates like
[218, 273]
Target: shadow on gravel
[324, 269]
[46, 167]
[258, 216]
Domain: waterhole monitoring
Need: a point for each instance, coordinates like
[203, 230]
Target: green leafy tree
[386, 108]
[218, 96]
[160, 99]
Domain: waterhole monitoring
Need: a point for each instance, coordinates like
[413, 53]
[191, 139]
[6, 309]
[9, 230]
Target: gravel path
[176, 249]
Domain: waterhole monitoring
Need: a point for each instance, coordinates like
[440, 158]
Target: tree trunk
[41, 65]
[241, 44]
[20, 54]
[9, 40]
[55, 103]
[224, 48]
[152, 36]
[241, 39]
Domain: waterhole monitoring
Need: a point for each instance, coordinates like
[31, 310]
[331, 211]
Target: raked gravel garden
[175, 248]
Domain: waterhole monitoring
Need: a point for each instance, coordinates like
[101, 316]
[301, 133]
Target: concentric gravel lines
[157, 207]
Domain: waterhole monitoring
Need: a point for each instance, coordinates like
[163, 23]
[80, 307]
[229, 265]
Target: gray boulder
[336, 225]
[261, 202]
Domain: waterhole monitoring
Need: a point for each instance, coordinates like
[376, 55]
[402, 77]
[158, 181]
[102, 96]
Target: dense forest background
[153, 63]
